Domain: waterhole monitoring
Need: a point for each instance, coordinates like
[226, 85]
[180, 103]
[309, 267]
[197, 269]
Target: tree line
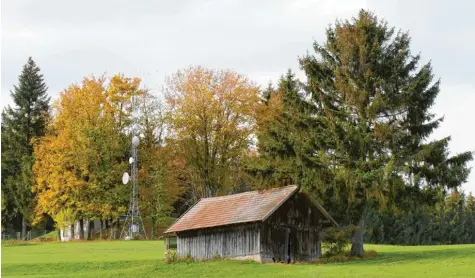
[451, 221]
[355, 133]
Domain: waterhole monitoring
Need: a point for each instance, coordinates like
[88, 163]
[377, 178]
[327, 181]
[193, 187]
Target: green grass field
[145, 259]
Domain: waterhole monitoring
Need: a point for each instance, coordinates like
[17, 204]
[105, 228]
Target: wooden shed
[274, 225]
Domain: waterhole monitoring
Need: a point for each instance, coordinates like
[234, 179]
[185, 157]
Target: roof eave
[176, 220]
[321, 209]
[174, 233]
[170, 234]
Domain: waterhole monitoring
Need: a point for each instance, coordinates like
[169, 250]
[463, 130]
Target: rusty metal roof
[238, 208]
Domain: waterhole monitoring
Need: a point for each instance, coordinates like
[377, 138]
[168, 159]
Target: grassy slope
[144, 259]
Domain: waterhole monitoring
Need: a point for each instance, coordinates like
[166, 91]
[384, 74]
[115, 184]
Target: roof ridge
[250, 192]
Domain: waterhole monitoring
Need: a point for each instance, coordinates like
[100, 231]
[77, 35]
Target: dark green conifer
[375, 102]
[20, 124]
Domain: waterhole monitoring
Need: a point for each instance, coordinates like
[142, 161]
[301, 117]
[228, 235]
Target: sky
[261, 39]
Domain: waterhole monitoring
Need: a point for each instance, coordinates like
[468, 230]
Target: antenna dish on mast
[125, 178]
[135, 141]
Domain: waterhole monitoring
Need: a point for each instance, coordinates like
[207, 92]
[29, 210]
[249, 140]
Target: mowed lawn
[145, 259]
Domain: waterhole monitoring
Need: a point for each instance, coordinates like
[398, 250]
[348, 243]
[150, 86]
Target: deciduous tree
[211, 120]
[158, 189]
[80, 162]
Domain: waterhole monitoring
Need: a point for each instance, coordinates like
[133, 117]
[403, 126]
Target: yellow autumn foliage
[78, 156]
[212, 116]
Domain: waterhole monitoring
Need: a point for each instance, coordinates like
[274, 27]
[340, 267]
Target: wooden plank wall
[230, 241]
[267, 240]
[303, 220]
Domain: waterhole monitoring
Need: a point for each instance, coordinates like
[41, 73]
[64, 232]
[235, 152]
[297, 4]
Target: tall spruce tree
[20, 124]
[375, 102]
[276, 133]
[286, 148]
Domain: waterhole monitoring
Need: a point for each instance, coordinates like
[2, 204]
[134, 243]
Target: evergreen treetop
[27, 119]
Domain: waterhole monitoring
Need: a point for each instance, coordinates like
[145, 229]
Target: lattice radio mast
[133, 225]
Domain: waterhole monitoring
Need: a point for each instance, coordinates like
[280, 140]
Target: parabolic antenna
[135, 141]
[125, 178]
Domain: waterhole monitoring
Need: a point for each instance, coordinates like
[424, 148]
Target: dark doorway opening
[288, 246]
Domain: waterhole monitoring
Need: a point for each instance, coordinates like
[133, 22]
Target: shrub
[336, 240]
[345, 257]
[170, 257]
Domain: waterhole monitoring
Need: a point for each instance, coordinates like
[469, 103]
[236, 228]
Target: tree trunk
[111, 230]
[81, 229]
[118, 228]
[59, 234]
[72, 230]
[357, 242]
[105, 225]
[23, 228]
[90, 231]
[100, 228]
[153, 226]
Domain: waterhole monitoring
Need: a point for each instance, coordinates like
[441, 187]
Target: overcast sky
[260, 38]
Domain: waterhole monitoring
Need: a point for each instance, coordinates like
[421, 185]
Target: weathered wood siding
[296, 221]
[231, 241]
[291, 233]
